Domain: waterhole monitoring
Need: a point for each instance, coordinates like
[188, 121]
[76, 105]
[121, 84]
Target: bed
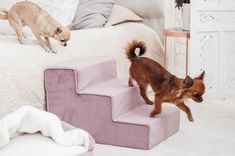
[22, 66]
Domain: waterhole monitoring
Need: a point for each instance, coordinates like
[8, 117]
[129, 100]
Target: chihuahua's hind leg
[187, 110]
[17, 26]
[20, 35]
[157, 107]
[143, 88]
[130, 81]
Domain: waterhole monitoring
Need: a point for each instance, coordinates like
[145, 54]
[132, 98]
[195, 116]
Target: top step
[90, 71]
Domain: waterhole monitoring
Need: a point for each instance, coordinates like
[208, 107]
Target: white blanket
[31, 120]
[22, 66]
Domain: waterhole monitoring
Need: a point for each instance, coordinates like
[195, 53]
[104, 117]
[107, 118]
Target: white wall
[213, 44]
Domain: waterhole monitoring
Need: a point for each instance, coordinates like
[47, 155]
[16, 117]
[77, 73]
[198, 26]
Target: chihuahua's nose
[200, 100]
[65, 44]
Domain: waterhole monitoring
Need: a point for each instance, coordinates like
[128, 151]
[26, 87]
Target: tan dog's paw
[20, 41]
[47, 49]
[53, 50]
[50, 50]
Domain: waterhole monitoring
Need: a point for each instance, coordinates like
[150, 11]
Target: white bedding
[22, 66]
[29, 120]
[38, 145]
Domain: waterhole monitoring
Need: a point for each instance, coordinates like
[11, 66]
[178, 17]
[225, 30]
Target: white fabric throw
[31, 120]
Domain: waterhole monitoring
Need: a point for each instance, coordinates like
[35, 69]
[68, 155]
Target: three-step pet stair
[86, 93]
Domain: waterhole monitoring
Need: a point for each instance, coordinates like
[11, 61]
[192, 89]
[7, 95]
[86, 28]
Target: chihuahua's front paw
[21, 41]
[150, 103]
[191, 119]
[130, 84]
[53, 50]
[48, 50]
[153, 113]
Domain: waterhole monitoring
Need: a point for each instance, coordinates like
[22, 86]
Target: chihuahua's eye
[62, 40]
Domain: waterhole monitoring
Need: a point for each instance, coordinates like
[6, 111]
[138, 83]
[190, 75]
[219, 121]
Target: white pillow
[62, 10]
[121, 15]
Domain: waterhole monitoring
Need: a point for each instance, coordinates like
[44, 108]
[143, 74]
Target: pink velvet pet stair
[86, 93]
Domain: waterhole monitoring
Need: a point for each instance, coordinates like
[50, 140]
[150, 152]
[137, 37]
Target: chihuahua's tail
[132, 46]
[3, 14]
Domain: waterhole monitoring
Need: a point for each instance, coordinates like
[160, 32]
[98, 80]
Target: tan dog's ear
[201, 76]
[58, 30]
[188, 82]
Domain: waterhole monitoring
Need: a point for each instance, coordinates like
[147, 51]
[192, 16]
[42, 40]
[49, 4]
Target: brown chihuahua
[167, 87]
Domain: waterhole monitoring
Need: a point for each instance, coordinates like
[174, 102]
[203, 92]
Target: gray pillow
[92, 14]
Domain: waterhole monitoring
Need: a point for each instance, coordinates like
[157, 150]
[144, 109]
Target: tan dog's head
[194, 88]
[62, 35]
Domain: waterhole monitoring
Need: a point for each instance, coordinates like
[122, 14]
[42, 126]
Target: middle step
[123, 98]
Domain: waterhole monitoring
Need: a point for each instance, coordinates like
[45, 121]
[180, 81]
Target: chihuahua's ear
[201, 76]
[188, 82]
[58, 30]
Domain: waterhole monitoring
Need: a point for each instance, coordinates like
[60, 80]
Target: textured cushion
[92, 13]
[153, 16]
[121, 15]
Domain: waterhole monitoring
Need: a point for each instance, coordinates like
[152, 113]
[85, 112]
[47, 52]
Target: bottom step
[133, 129]
[159, 128]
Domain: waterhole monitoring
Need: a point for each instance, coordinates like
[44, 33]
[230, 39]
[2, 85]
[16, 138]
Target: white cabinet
[213, 44]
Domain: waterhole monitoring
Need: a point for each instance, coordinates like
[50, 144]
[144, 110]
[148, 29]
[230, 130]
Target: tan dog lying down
[41, 23]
